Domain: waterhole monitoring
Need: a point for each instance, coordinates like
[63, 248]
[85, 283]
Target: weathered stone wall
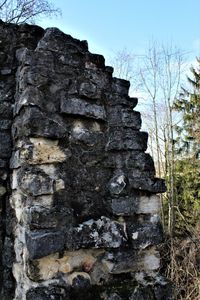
[11, 38]
[79, 209]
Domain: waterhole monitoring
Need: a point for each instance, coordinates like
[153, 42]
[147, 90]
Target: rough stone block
[5, 124]
[6, 71]
[98, 77]
[103, 233]
[37, 152]
[35, 183]
[120, 86]
[80, 107]
[31, 96]
[80, 134]
[143, 235]
[140, 160]
[89, 90]
[125, 101]
[5, 145]
[127, 206]
[127, 139]
[8, 256]
[131, 119]
[43, 201]
[153, 185]
[37, 124]
[130, 160]
[2, 190]
[117, 183]
[125, 117]
[34, 75]
[94, 61]
[55, 40]
[3, 163]
[6, 110]
[129, 261]
[142, 293]
[47, 293]
[32, 58]
[43, 218]
[40, 244]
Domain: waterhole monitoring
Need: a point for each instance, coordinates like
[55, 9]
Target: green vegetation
[184, 246]
[187, 166]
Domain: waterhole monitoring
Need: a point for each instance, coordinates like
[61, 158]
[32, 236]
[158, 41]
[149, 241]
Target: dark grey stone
[3, 163]
[125, 117]
[117, 183]
[37, 97]
[163, 290]
[89, 90]
[35, 182]
[114, 296]
[142, 293]
[35, 123]
[125, 205]
[55, 41]
[120, 86]
[6, 71]
[80, 107]
[102, 233]
[6, 110]
[5, 124]
[45, 218]
[88, 138]
[47, 293]
[80, 282]
[117, 99]
[96, 60]
[5, 145]
[138, 162]
[122, 262]
[145, 234]
[8, 255]
[12, 37]
[40, 244]
[153, 185]
[127, 139]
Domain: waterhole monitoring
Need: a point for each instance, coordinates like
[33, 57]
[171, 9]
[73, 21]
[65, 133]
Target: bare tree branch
[21, 11]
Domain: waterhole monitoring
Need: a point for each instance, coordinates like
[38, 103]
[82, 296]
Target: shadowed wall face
[79, 192]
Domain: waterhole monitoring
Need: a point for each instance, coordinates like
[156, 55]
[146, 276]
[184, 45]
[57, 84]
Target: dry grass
[181, 264]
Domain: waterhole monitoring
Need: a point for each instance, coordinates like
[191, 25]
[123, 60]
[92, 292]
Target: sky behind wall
[112, 25]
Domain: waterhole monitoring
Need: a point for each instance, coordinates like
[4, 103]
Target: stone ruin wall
[78, 204]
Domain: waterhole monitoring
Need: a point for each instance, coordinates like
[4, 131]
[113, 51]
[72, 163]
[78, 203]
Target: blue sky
[111, 25]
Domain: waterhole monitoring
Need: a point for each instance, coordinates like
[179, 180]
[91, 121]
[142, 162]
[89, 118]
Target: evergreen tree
[188, 154]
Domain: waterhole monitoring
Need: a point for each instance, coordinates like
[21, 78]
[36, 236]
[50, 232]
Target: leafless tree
[21, 11]
[157, 75]
[123, 62]
[160, 71]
